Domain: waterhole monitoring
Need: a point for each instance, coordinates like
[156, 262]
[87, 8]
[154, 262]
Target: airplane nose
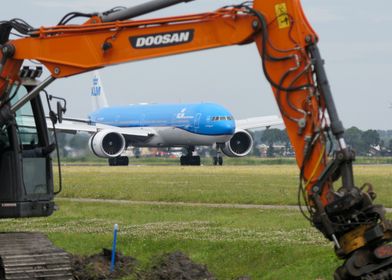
[227, 127]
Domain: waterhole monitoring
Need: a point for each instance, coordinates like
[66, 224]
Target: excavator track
[32, 256]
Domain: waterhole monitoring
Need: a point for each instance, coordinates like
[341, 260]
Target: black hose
[57, 146]
[265, 56]
[68, 17]
[141, 9]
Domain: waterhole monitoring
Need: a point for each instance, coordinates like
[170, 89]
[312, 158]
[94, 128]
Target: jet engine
[107, 144]
[239, 145]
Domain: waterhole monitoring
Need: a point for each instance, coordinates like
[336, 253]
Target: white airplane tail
[97, 93]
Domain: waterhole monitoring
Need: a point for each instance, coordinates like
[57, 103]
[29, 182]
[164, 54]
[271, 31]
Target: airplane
[115, 128]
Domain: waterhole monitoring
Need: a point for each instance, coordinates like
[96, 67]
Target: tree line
[365, 143]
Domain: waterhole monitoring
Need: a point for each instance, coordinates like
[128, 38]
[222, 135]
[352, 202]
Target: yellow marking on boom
[282, 16]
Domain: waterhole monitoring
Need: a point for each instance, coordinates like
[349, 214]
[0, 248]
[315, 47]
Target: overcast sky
[355, 41]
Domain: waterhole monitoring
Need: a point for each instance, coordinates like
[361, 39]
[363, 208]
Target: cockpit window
[222, 118]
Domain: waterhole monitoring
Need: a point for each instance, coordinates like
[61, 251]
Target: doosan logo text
[162, 39]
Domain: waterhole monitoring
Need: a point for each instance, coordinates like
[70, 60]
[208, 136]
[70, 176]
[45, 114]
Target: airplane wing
[76, 125]
[258, 122]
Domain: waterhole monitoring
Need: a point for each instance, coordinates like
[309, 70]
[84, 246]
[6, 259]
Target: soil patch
[97, 267]
[175, 266]
[170, 266]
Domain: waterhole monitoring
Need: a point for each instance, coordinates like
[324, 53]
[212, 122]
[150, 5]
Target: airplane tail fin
[97, 93]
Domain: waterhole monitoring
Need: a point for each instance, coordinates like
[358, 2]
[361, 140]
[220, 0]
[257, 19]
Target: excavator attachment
[367, 264]
[367, 249]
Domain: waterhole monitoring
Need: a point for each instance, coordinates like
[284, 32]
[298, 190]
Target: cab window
[34, 166]
[24, 118]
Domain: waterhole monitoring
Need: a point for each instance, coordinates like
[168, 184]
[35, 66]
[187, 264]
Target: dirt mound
[175, 266]
[171, 266]
[97, 267]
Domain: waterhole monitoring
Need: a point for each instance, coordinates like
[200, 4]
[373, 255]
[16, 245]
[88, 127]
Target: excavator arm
[291, 63]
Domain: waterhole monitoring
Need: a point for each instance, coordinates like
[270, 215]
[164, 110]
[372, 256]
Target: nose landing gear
[217, 159]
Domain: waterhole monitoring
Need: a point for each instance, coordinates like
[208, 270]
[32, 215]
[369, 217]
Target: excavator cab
[26, 189]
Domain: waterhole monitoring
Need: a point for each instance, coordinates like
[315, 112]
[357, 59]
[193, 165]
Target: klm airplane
[116, 128]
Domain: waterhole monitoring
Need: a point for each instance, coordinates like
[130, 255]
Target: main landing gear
[189, 158]
[118, 161]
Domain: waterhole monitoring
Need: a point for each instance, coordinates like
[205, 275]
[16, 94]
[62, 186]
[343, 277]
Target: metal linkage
[141, 9]
[32, 94]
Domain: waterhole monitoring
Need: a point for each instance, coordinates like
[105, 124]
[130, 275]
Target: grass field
[262, 244]
[226, 184]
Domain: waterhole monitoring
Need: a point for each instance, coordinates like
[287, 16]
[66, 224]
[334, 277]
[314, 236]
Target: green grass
[263, 244]
[227, 184]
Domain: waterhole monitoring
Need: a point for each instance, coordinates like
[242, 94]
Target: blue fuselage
[202, 118]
